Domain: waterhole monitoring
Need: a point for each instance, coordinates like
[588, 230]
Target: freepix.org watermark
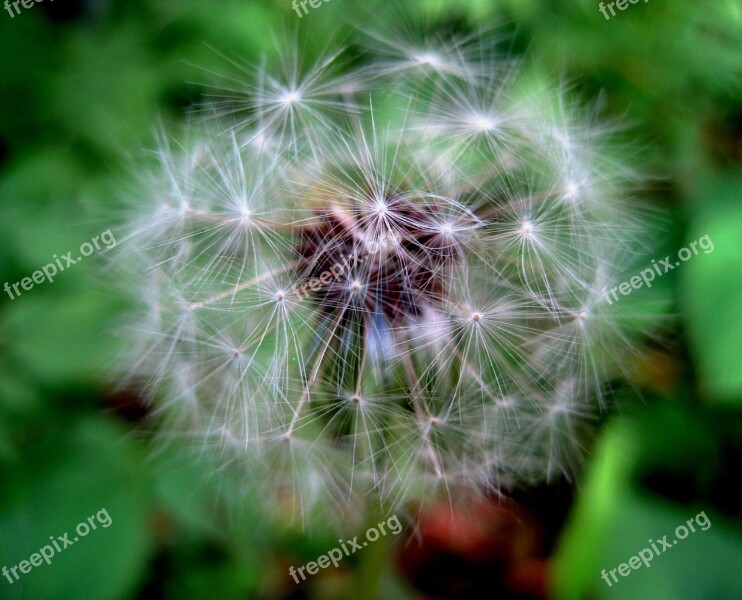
[50, 271]
[339, 271]
[646, 555]
[349, 547]
[59, 544]
[620, 4]
[295, 4]
[16, 9]
[648, 275]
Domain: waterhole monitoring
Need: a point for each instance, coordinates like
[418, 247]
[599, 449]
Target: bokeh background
[83, 87]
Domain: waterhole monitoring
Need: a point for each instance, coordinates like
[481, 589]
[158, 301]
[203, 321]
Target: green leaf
[93, 474]
[711, 290]
[66, 338]
[615, 518]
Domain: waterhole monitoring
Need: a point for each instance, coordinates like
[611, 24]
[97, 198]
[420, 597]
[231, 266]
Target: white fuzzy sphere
[465, 350]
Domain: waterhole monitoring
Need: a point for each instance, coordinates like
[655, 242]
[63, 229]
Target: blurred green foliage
[650, 475]
[82, 88]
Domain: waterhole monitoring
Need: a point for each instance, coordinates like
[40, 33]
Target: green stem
[375, 561]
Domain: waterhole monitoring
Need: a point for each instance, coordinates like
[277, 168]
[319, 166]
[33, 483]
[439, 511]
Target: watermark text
[658, 269]
[58, 544]
[50, 271]
[646, 555]
[349, 547]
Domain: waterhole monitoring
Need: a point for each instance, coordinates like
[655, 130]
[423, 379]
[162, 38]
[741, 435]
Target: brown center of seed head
[390, 264]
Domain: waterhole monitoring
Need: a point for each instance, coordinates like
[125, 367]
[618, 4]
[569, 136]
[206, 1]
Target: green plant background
[83, 86]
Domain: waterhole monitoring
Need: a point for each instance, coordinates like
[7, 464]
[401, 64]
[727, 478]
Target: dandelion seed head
[350, 307]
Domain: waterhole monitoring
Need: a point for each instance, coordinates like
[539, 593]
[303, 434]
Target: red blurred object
[490, 547]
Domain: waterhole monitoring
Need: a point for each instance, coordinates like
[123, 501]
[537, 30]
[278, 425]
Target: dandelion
[450, 341]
